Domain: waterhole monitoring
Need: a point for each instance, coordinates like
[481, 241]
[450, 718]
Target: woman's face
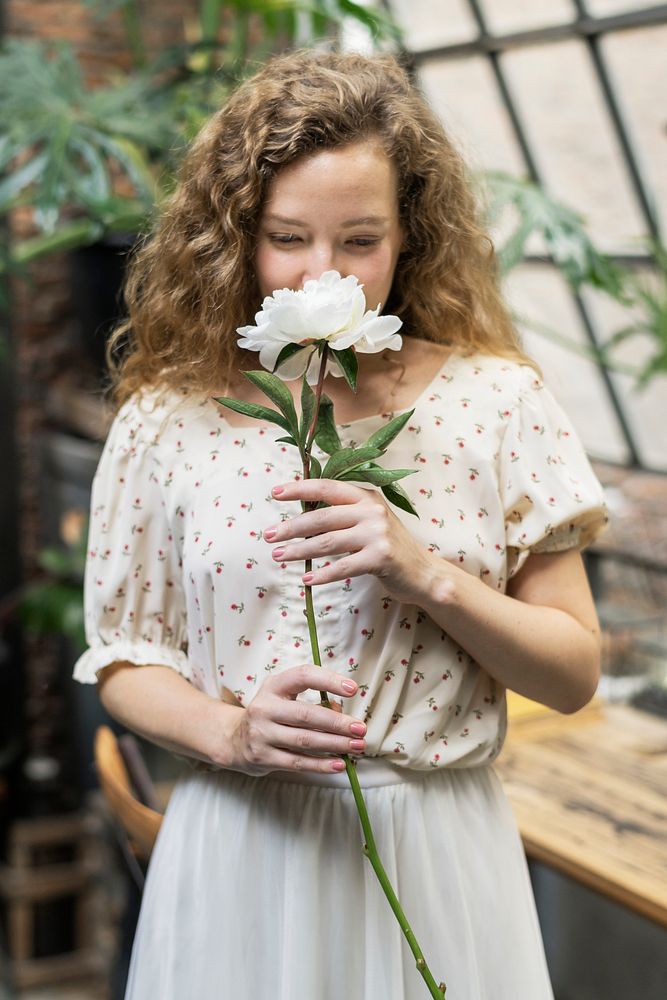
[333, 210]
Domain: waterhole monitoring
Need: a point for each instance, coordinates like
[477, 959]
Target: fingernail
[358, 728]
[278, 553]
[308, 577]
[270, 533]
[357, 744]
[338, 765]
[349, 686]
[277, 490]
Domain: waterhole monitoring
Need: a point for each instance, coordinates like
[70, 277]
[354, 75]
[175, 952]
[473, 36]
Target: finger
[302, 715]
[285, 761]
[312, 523]
[331, 543]
[306, 677]
[355, 564]
[330, 490]
[312, 741]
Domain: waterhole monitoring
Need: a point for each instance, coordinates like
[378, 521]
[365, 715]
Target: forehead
[358, 174]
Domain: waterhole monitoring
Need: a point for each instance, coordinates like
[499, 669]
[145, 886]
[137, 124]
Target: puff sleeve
[551, 496]
[133, 595]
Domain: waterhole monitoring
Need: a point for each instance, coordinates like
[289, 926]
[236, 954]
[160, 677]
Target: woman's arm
[540, 639]
[275, 731]
[162, 706]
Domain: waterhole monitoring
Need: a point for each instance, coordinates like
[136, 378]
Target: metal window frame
[590, 30]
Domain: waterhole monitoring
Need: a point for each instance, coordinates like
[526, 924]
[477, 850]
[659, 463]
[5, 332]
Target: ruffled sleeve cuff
[140, 653]
[576, 534]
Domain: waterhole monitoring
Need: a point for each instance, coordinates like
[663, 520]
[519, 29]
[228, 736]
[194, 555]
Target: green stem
[437, 991]
[318, 395]
[310, 611]
[370, 849]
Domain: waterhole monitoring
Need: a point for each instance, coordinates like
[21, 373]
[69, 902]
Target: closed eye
[284, 238]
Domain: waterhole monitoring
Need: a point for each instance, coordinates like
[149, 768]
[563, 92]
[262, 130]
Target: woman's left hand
[359, 526]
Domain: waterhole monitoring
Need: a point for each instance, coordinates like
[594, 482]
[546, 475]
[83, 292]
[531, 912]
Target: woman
[257, 885]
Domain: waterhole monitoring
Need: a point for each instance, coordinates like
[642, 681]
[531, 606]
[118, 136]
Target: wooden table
[590, 795]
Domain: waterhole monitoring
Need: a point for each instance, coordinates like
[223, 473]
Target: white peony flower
[332, 309]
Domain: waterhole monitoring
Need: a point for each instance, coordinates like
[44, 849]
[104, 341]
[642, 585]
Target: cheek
[272, 270]
[377, 275]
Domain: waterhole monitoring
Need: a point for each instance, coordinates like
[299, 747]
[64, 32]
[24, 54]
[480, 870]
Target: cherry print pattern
[177, 559]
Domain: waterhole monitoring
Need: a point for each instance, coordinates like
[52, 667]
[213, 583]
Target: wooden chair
[140, 822]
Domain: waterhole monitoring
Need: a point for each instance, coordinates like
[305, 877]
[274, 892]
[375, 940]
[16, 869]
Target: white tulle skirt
[258, 890]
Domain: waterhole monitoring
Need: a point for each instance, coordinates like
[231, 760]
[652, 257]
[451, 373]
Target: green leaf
[378, 476]
[512, 251]
[54, 561]
[12, 185]
[275, 389]
[382, 437]
[307, 410]
[348, 458]
[326, 434]
[288, 351]
[75, 234]
[394, 494]
[94, 184]
[349, 364]
[288, 440]
[134, 162]
[254, 410]
[315, 468]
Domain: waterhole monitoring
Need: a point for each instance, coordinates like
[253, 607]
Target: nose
[321, 258]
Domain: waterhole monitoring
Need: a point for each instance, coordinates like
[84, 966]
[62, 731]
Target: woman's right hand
[275, 729]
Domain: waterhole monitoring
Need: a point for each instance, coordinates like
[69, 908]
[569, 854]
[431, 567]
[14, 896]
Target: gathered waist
[371, 771]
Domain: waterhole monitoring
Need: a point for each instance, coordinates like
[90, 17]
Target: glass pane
[464, 93]
[602, 8]
[427, 25]
[572, 139]
[637, 62]
[505, 16]
[538, 293]
[645, 409]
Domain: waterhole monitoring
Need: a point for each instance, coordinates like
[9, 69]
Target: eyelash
[289, 239]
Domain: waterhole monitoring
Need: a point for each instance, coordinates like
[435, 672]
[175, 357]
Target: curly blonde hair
[193, 282]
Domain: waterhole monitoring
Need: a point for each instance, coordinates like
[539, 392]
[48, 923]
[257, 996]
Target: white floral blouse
[178, 573]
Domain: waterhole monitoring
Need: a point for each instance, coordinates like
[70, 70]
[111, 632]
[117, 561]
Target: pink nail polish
[277, 490]
[308, 577]
[278, 553]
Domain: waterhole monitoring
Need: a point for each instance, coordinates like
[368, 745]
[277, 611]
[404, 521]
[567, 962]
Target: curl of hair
[192, 283]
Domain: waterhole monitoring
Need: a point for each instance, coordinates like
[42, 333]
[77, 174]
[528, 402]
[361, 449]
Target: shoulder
[152, 416]
[511, 379]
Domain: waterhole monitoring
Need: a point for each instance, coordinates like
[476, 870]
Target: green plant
[562, 230]
[54, 603]
[647, 297]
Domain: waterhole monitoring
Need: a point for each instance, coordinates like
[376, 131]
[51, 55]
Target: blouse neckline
[384, 415]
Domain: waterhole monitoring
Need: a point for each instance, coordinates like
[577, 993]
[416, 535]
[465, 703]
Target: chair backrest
[140, 823]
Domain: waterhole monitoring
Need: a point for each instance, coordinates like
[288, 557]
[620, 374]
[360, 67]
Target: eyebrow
[367, 220]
